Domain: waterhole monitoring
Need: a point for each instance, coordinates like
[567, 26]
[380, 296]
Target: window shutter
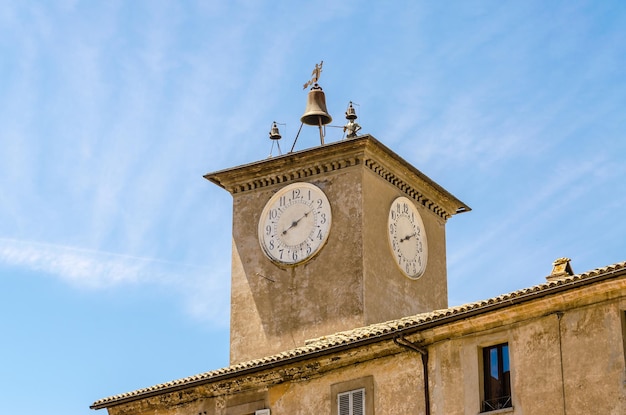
[358, 402]
[344, 403]
[351, 403]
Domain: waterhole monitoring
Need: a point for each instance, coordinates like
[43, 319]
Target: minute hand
[295, 222]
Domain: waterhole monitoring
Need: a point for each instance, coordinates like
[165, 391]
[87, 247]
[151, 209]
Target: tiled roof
[371, 333]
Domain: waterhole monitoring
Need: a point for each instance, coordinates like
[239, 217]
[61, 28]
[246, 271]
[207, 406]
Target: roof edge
[387, 331]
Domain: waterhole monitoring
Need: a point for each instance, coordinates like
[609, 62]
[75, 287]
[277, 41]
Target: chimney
[561, 268]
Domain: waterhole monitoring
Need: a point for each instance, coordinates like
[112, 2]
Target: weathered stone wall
[276, 308]
[353, 281]
[388, 293]
[566, 356]
[397, 389]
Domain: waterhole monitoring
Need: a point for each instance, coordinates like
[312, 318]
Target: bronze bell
[315, 112]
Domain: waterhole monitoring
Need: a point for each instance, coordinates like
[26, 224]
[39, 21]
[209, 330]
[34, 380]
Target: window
[496, 378]
[351, 403]
[353, 397]
[253, 403]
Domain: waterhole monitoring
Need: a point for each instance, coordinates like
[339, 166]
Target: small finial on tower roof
[275, 137]
[274, 132]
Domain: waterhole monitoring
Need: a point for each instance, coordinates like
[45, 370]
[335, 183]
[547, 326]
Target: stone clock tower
[332, 238]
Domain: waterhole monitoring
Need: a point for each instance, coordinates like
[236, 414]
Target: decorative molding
[294, 174]
[335, 165]
[409, 190]
[363, 150]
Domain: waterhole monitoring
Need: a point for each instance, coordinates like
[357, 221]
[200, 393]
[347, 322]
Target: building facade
[354, 319]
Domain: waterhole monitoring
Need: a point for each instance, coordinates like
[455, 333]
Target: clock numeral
[319, 235]
[271, 244]
[295, 256]
[323, 221]
[405, 208]
[308, 249]
[268, 230]
[295, 194]
[319, 203]
[273, 214]
[393, 215]
[282, 200]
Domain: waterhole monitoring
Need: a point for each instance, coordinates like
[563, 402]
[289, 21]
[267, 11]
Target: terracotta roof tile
[359, 334]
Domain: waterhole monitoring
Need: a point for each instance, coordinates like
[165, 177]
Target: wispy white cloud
[80, 267]
[201, 289]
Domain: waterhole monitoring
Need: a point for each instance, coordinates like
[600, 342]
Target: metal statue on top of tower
[352, 128]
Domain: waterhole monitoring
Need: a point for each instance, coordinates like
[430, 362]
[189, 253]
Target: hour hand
[406, 238]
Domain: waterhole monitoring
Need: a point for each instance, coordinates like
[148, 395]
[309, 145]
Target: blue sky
[115, 252]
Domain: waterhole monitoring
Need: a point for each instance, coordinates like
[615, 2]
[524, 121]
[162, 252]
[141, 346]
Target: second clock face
[295, 223]
[407, 237]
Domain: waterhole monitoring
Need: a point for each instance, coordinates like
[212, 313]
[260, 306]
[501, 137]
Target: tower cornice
[364, 150]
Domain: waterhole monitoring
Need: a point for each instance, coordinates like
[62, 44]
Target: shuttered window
[352, 402]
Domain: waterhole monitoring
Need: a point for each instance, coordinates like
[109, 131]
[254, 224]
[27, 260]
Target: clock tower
[332, 238]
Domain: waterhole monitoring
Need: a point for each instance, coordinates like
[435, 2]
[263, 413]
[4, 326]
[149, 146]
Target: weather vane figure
[315, 75]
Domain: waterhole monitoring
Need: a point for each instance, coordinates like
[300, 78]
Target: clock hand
[295, 222]
[406, 238]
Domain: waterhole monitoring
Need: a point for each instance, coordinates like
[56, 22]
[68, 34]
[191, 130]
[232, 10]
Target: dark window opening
[497, 378]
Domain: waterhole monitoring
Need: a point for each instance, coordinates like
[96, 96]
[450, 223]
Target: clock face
[407, 237]
[295, 223]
